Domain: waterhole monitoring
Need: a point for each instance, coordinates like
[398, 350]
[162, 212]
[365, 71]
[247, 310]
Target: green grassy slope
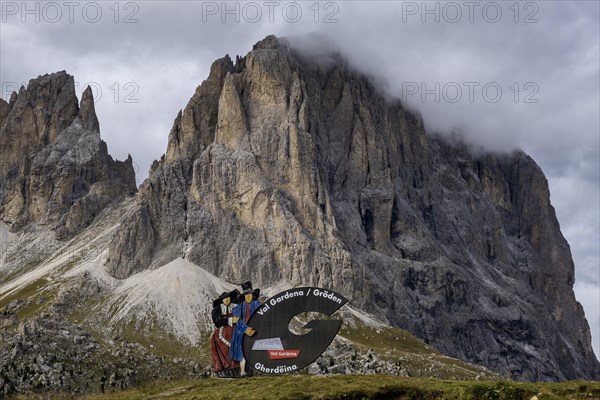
[354, 387]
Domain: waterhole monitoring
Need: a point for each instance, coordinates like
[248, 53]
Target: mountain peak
[87, 111]
[282, 168]
[46, 107]
[49, 175]
[270, 42]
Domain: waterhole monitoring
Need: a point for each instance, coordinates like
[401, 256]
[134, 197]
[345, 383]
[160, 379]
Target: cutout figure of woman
[222, 316]
[241, 314]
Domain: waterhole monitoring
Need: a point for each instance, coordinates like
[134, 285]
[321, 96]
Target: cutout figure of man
[241, 314]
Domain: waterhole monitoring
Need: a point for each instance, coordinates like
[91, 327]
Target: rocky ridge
[288, 171]
[55, 169]
[281, 168]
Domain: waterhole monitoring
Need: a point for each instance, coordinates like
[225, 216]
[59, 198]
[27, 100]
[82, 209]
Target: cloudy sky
[508, 75]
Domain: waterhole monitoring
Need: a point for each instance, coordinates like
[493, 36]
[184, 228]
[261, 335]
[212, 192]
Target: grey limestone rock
[55, 169]
[281, 168]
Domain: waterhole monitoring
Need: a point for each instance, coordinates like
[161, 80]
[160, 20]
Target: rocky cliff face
[291, 171]
[54, 168]
[284, 169]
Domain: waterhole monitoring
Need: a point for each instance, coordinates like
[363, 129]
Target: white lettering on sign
[327, 295]
[282, 354]
[288, 295]
[276, 300]
[280, 369]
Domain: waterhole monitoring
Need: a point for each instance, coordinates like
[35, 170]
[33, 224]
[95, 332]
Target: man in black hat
[223, 365]
[241, 314]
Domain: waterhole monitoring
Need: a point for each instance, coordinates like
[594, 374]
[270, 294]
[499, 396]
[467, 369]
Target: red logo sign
[281, 354]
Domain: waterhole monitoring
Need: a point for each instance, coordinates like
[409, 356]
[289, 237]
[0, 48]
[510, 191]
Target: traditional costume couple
[231, 312]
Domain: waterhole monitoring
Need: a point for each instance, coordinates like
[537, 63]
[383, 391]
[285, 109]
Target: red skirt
[219, 344]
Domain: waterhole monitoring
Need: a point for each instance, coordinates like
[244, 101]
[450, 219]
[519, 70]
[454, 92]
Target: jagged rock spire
[87, 111]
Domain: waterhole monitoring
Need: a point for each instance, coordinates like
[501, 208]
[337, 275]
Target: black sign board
[274, 349]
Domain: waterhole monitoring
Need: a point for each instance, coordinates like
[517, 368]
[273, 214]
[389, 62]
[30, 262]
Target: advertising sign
[273, 348]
